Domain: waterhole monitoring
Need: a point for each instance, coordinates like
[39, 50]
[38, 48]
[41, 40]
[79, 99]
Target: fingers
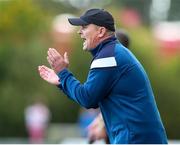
[56, 61]
[53, 56]
[50, 57]
[43, 71]
[43, 68]
[66, 59]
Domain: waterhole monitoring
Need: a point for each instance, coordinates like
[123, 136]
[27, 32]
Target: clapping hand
[48, 75]
[57, 63]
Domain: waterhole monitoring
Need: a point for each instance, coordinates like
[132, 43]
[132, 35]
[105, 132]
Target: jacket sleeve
[97, 86]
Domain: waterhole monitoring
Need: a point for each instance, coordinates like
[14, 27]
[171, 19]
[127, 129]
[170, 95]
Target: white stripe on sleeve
[104, 62]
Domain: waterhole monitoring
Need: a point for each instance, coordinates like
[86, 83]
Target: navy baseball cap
[99, 17]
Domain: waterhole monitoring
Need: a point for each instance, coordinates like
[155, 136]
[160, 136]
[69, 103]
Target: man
[96, 130]
[117, 83]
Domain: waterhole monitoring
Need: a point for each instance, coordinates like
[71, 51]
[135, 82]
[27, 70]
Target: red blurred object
[130, 18]
[168, 37]
[169, 48]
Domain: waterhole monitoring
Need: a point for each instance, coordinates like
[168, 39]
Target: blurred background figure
[86, 116]
[123, 37]
[96, 130]
[37, 117]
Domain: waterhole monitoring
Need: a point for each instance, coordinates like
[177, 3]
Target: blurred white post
[159, 10]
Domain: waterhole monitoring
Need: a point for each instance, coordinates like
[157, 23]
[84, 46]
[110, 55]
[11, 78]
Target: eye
[84, 27]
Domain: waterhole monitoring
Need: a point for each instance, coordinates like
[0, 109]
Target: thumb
[66, 59]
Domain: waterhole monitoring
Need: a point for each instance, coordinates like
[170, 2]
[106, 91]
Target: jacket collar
[102, 44]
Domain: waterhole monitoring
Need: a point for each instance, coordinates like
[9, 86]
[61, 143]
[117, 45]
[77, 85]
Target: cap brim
[77, 21]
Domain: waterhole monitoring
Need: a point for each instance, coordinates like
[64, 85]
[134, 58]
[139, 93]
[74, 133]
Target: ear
[102, 32]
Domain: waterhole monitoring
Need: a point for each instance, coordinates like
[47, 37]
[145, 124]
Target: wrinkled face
[90, 36]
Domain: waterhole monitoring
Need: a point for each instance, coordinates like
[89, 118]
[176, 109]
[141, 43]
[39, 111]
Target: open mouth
[84, 43]
[84, 40]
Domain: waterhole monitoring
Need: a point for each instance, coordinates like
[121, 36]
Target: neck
[105, 37]
[109, 39]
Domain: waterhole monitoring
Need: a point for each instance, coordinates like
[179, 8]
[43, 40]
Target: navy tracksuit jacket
[118, 84]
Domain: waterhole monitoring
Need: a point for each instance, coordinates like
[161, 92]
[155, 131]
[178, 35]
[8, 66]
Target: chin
[85, 48]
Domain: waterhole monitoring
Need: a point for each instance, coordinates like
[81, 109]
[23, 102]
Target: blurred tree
[164, 76]
[21, 23]
[141, 6]
[174, 14]
[24, 33]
